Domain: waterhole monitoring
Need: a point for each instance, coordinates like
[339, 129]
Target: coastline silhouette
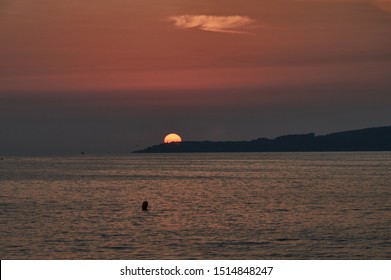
[369, 139]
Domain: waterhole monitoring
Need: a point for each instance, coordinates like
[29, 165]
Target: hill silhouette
[369, 139]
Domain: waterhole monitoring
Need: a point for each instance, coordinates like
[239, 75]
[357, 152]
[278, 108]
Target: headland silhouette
[368, 139]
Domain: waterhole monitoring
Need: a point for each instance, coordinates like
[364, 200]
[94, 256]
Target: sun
[172, 138]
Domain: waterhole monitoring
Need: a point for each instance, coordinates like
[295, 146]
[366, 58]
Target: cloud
[226, 24]
[384, 5]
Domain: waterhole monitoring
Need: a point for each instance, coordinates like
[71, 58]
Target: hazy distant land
[369, 139]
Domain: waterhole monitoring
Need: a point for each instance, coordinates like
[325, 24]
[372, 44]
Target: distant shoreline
[368, 139]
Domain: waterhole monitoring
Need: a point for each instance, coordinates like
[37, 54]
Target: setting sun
[172, 138]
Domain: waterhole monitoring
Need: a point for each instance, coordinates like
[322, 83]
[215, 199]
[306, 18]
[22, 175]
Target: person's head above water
[144, 206]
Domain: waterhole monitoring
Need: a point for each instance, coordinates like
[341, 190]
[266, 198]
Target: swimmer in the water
[144, 206]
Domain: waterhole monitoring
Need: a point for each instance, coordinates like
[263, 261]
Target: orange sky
[163, 56]
[120, 44]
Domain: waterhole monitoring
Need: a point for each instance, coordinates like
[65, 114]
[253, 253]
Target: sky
[118, 75]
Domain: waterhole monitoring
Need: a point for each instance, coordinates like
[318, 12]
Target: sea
[237, 206]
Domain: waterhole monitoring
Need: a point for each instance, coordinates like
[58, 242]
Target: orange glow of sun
[172, 138]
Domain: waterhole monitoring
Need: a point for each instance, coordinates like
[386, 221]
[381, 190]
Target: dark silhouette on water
[369, 139]
[144, 207]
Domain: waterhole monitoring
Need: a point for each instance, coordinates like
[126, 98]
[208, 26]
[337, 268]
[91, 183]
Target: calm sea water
[202, 206]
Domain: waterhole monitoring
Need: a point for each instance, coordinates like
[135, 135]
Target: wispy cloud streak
[226, 24]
